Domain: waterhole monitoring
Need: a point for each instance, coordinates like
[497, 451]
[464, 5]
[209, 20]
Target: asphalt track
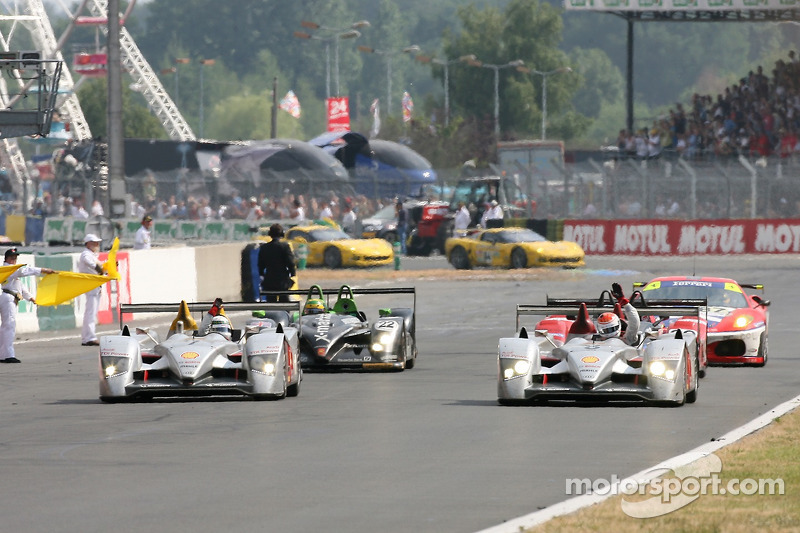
[428, 449]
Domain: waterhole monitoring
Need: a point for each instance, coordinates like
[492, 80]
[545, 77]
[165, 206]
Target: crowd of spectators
[757, 117]
[344, 210]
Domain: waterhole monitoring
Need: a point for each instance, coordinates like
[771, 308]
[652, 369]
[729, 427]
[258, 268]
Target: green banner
[59, 316]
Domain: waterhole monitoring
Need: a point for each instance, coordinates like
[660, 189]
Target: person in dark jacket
[276, 265]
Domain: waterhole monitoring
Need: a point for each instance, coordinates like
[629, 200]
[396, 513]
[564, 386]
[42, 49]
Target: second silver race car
[562, 358]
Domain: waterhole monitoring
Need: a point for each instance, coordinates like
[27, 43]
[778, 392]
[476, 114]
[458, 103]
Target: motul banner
[676, 237]
[338, 114]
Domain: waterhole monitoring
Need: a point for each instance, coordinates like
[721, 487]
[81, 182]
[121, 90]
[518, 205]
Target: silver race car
[260, 361]
[337, 334]
[563, 358]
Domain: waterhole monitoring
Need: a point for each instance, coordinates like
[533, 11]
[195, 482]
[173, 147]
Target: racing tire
[112, 399]
[519, 259]
[691, 396]
[410, 351]
[293, 390]
[417, 246]
[459, 258]
[390, 237]
[763, 350]
[332, 258]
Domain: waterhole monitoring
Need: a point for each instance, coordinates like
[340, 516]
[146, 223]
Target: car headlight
[381, 342]
[263, 365]
[514, 368]
[742, 321]
[663, 370]
[114, 365]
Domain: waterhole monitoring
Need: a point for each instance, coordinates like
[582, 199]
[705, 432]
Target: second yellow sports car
[333, 248]
[511, 248]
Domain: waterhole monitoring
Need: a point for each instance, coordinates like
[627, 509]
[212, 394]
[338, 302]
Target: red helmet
[608, 325]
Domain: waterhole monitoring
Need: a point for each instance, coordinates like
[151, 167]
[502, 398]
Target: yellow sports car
[333, 248]
[511, 248]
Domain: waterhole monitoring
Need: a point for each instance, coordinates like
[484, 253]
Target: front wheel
[763, 349]
[519, 259]
[332, 257]
[459, 258]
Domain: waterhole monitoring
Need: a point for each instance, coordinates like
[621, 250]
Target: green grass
[770, 453]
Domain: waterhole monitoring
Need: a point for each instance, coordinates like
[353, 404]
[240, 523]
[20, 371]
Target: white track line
[516, 525]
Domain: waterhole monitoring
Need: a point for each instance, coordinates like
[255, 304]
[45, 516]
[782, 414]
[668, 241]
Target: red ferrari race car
[736, 322]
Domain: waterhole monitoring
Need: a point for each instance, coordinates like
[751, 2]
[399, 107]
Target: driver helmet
[220, 324]
[608, 325]
[314, 306]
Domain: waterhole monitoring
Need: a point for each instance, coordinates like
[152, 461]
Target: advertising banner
[338, 114]
[677, 237]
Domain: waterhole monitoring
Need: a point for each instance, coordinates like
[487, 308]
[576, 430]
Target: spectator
[402, 225]
[142, 239]
[97, 209]
[349, 219]
[462, 218]
[493, 216]
[298, 213]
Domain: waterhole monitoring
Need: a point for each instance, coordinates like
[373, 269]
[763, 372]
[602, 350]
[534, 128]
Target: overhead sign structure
[338, 113]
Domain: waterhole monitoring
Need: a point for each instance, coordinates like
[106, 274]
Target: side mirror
[761, 301]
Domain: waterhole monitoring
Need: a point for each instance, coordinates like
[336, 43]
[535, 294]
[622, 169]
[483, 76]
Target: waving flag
[110, 266]
[60, 287]
[376, 118]
[6, 271]
[291, 104]
[408, 107]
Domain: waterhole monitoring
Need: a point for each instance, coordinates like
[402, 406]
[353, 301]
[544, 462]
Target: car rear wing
[594, 310]
[637, 300]
[203, 307]
[333, 293]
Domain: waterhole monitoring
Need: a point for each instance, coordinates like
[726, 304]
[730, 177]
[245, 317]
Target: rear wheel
[519, 259]
[459, 258]
[332, 257]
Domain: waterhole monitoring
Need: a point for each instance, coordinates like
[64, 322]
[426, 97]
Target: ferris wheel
[25, 26]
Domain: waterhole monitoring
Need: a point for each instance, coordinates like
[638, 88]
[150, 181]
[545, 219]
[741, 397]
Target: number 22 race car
[339, 336]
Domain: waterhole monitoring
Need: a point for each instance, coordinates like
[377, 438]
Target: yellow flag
[6, 271]
[110, 265]
[60, 287]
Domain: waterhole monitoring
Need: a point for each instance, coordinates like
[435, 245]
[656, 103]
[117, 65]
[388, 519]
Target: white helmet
[220, 324]
[608, 325]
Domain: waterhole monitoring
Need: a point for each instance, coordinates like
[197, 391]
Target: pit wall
[158, 275]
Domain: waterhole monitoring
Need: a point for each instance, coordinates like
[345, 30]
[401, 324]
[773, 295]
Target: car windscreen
[717, 293]
[331, 234]
[520, 236]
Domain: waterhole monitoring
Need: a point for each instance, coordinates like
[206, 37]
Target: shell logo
[190, 355]
[590, 359]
